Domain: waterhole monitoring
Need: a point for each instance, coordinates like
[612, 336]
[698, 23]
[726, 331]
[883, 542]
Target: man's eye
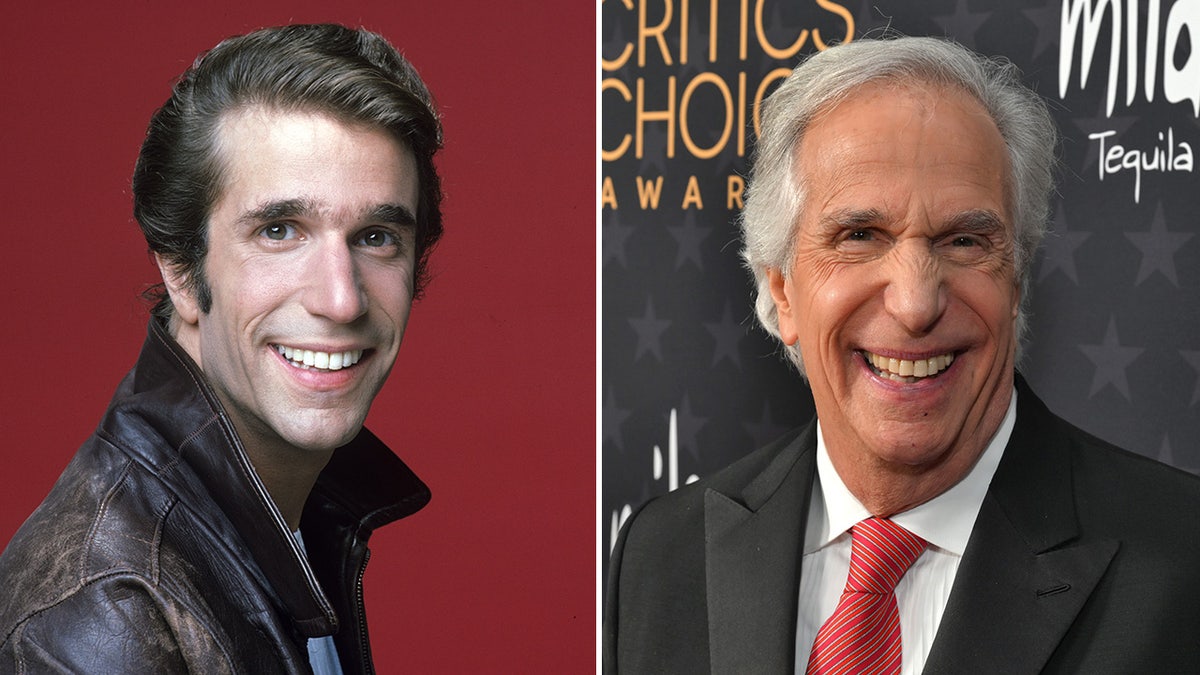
[963, 241]
[378, 238]
[860, 235]
[278, 231]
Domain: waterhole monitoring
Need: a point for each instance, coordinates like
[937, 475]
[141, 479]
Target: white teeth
[306, 358]
[905, 370]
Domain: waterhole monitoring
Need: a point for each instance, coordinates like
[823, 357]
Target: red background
[492, 400]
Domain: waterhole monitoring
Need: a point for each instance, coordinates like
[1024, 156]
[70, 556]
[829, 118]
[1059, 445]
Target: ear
[187, 311]
[777, 284]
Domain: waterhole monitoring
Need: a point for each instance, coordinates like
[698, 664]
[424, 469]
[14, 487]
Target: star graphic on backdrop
[1167, 456]
[690, 425]
[1111, 360]
[1193, 359]
[1058, 248]
[654, 145]
[649, 329]
[962, 24]
[1158, 248]
[611, 419]
[689, 237]
[726, 334]
[614, 235]
[1046, 20]
[1164, 451]
[766, 429]
[1099, 123]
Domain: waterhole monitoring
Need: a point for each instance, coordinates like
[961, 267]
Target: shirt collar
[944, 521]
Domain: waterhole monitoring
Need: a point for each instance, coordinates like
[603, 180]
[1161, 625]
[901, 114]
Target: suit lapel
[1025, 573]
[754, 543]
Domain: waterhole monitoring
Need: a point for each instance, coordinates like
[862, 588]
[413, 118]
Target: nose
[333, 288]
[915, 295]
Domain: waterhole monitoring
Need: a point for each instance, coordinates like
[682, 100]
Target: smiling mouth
[907, 371]
[307, 359]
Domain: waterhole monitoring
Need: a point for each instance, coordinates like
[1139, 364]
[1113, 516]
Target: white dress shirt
[944, 521]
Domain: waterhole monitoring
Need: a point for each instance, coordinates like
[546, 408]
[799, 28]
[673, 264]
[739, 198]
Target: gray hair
[774, 196]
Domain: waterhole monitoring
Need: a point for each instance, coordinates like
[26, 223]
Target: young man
[217, 521]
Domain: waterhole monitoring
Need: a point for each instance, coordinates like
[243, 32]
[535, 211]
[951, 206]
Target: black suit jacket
[1084, 559]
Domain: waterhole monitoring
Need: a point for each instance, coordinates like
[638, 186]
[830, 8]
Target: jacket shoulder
[655, 593]
[120, 623]
[747, 481]
[1142, 502]
[104, 520]
[1096, 460]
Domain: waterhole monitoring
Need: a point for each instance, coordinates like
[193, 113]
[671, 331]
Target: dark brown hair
[355, 75]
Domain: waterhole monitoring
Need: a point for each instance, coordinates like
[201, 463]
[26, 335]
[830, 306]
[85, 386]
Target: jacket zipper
[363, 643]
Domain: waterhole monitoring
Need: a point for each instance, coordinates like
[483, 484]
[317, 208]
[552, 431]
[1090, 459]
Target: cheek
[391, 291]
[834, 298]
[994, 301]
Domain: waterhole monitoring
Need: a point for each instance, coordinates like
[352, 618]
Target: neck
[886, 491]
[887, 487]
[289, 475]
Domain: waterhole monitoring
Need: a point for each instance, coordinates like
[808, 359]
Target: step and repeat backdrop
[689, 383]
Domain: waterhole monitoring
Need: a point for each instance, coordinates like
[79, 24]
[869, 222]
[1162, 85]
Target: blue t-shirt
[322, 654]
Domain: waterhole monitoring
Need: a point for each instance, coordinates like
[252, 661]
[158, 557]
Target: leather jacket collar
[363, 487]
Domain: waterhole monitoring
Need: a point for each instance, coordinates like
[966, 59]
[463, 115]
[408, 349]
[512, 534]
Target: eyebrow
[974, 220]
[851, 218]
[282, 209]
[395, 214]
[978, 221]
[277, 210]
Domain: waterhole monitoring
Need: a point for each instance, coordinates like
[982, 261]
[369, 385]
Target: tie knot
[881, 553]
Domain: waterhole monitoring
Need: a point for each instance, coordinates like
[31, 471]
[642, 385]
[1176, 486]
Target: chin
[901, 448]
[325, 440]
[329, 427]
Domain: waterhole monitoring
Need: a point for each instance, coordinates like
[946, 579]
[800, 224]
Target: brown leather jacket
[160, 551]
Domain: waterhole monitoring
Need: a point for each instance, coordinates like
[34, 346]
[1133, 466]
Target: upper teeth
[307, 358]
[906, 368]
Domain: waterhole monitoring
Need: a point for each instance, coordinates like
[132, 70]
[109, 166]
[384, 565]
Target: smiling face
[901, 292]
[310, 261]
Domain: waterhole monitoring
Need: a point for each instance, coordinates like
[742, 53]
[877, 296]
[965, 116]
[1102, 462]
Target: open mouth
[307, 359]
[907, 371]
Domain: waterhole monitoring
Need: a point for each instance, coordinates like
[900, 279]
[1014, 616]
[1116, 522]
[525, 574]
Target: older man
[217, 521]
[935, 517]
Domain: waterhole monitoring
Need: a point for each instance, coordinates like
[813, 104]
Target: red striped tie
[863, 634]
